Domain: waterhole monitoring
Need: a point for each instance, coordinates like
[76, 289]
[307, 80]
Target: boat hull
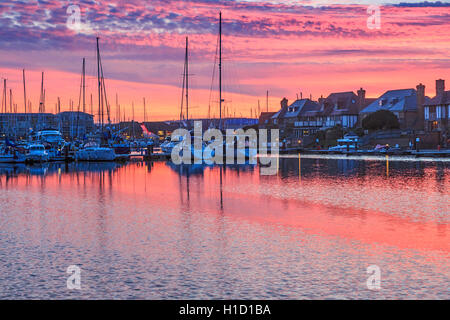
[96, 154]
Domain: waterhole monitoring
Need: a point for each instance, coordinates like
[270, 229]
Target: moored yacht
[93, 152]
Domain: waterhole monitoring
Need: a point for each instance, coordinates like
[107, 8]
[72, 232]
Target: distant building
[21, 124]
[75, 124]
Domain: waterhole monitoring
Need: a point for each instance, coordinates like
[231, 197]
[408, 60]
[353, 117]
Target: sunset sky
[284, 46]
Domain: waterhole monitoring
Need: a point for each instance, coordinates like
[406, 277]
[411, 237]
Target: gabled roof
[395, 101]
[343, 103]
[265, 116]
[300, 107]
[443, 98]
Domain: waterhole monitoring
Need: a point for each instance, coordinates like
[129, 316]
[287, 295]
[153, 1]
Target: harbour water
[160, 231]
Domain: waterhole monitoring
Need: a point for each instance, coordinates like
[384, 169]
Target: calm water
[161, 231]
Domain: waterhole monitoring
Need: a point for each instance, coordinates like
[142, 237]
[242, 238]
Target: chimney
[284, 103]
[440, 87]
[420, 108]
[361, 98]
[321, 100]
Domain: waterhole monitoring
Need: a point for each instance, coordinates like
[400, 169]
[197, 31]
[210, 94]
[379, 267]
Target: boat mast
[4, 97]
[24, 93]
[187, 81]
[220, 71]
[41, 102]
[100, 106]
[81, 96]
[84, 85]
[132, 121]
[144, 111]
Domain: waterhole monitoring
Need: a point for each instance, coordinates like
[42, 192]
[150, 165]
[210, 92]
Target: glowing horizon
[286, 47]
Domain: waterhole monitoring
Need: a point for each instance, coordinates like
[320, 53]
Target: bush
[381, 120]
[334, 133]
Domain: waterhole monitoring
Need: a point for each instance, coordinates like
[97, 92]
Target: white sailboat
[94, 151]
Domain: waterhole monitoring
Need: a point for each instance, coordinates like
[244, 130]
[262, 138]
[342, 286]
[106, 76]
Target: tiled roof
[265, 116]
[300, 107]
[443, 98]
[395, 101]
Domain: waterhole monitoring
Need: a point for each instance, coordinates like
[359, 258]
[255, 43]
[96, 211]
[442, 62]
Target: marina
[239, 151]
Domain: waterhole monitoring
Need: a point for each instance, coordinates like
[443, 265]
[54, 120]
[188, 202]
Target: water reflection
[157, 230]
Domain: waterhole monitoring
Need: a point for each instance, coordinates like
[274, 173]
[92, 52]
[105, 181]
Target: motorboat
[348, 143]
[36, 153]
[53, 137]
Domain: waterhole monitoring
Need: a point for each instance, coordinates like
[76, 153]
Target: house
[343, 108]
[296, 119]
[437, 110]
[264, 120]
[278, 118]
[406, 104]
[301, 118]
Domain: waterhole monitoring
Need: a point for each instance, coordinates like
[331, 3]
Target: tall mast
[267, 101]
[117, 108]
[144, 111]
[92, 106]
[187, 82]
[220, 71]
[59, 116]
[4, 96]
[41, 102]
[24, 93]
[132, 121]
[100, 109]
[81, 96]
[84, 85]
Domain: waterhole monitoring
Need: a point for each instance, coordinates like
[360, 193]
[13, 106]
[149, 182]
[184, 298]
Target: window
[427, 113]
[438, 112]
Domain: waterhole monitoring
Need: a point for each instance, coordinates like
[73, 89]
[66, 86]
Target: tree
[381, 120]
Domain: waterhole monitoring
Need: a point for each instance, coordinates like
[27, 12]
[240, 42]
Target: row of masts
[185, 89]
[102, 96]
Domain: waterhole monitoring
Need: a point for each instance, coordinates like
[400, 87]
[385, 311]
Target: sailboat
[95, 150]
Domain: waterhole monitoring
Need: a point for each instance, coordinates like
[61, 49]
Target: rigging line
[212, 79]
[79, 103]
[104, 90]
[182, 93]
